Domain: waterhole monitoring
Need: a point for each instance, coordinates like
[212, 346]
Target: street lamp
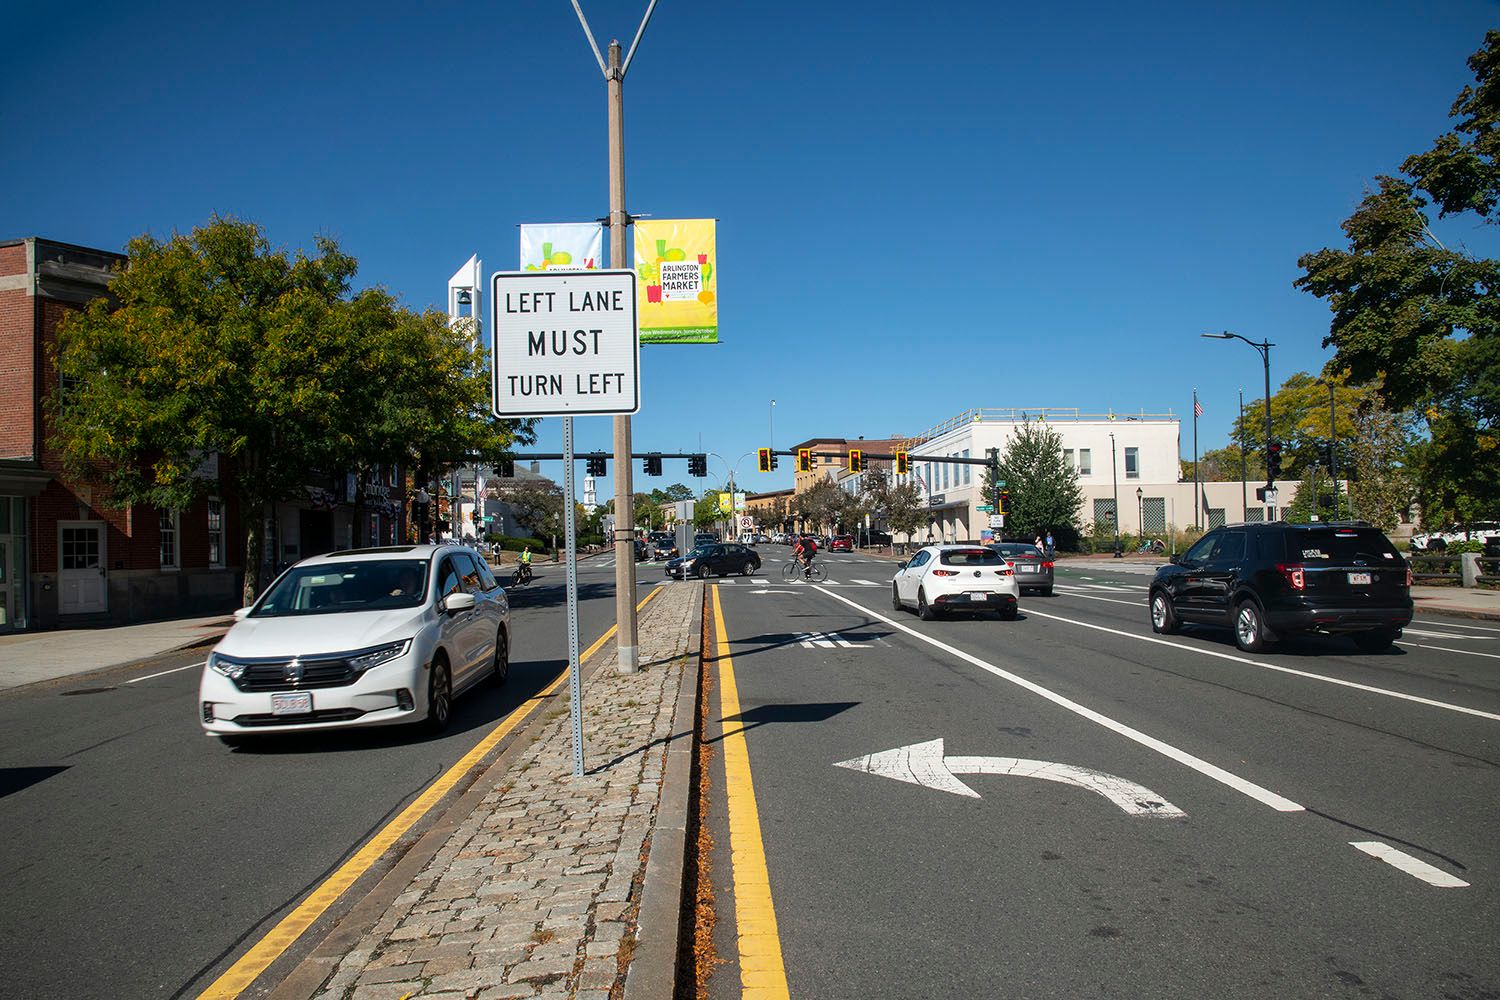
[772, 440]
[1264, 347]
[1114, 468]
[1140, 511]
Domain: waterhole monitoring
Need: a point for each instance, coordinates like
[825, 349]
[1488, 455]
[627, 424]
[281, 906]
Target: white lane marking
[1412, 866]
[1447, 635]
[924, 764]
[1482, 628]
[1218, 774]
[760, 581]
[1287, 670]
[867, 583]
[1069, 592]
[1445, 649]
[828, 640]
[190, 666]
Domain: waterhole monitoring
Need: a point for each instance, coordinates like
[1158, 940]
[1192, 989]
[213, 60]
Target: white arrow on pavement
[924, 764]
[773, 591]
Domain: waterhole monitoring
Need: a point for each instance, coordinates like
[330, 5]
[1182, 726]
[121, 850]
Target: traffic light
[653, 465]
[765, 459]
[1273, 461]
[903, 463]
[856, 460]
[804, 459]
[596, 467]
[698, 466]
[773, 461]
[507, 469]
[1004, 502]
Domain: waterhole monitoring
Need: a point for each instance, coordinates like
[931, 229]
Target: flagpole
[1197, 493]
[1244, 476]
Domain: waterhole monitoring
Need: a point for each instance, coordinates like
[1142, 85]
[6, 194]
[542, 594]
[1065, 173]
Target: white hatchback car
[942, 578]
[366, 637]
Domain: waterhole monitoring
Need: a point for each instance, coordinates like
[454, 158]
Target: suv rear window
[1340, 545]
[971, 557]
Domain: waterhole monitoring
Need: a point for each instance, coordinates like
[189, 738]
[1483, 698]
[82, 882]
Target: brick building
[66, 556]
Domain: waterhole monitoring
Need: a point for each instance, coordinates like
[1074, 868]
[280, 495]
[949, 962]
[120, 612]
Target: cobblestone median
[536, 893]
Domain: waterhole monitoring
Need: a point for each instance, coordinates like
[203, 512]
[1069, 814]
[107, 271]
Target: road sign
[747, 523]
[997, 520]
[924, 764]
[985, 508]
[566, 344]
[1266, 493]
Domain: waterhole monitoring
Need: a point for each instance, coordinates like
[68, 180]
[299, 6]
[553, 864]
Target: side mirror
[454, 603]
[241, 614]
[1173, 558]
[901, 565]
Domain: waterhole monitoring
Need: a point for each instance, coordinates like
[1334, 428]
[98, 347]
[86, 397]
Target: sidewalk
[554, 886]
[29, 657]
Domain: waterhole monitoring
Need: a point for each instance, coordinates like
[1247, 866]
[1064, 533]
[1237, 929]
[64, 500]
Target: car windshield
[970, 557]
[329, 588]
[699, 552]
[1018, 549]
[1341, 545]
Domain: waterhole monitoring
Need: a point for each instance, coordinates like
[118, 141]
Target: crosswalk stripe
[867, 583]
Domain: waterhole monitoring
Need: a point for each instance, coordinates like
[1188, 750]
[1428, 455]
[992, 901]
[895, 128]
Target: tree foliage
[216, 342]
[538, 506]
[1419, 320]
[1044, 491]
[821, 505]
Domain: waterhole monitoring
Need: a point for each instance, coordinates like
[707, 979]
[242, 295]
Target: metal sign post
[575, 681]
[566, 342]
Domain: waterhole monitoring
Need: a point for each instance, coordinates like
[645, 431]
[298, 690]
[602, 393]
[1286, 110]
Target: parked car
[877, 537]
[705, 538]
[1034, 571]
[665, 544]
[365, 637]
[942, 578]
[1268, 581]
[1438, 541]
[841, 543]
[717, 559]
[643, 550]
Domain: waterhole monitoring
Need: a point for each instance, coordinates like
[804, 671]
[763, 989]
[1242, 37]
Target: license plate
[1023, 568]
[978, 595]
[296, 703]
[1359, 578]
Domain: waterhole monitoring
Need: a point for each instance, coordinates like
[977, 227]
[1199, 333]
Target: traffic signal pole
[627, 650]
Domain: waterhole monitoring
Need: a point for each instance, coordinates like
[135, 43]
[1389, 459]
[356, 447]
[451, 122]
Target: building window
[1216, 517]
[1068, 461]
[967, 470]
[215, 531]
[167, 524]
[1104, 512]
[945, 475]
[1085, 462]
[1132, 463]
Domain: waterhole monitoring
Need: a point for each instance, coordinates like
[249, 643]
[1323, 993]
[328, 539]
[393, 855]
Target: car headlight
[221, 664]
[380, 654]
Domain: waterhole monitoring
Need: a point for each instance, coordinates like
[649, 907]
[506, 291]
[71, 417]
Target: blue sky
[922, 208]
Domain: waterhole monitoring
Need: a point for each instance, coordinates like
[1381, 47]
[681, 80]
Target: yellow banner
[726, 503]
[677, 281]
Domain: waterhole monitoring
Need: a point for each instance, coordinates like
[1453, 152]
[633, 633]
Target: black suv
[1266, 581]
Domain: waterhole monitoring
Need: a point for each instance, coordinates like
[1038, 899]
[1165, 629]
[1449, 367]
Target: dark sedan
[714, 560]
[1033, 568]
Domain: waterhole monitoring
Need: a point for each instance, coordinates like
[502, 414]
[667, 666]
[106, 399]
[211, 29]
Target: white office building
[1128, 461]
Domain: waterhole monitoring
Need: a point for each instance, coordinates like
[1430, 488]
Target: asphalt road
[1042, 888]
[140, 858]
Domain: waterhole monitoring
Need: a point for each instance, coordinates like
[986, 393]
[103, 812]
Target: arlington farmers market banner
[677, 281]
[563, 246]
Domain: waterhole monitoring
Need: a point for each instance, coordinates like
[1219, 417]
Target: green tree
[1382, 482]
[538, 507]
[820, 505]
[1314, 498]
[904, 511]
[706, 511]
[1421, 321]
[677, 493]
[1044, 491]
[1299, 420]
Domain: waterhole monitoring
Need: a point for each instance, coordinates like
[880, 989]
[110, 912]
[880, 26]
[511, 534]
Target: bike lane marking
[239, 976]
[762, 970]
[1414, 867]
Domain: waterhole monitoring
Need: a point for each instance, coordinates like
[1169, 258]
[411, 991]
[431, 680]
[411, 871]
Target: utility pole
[1244, 474]
[628, 652]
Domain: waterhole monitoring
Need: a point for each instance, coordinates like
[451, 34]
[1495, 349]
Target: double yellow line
[278, 939]
[762, 971]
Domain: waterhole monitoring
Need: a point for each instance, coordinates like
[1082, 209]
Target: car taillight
[1408, 576]
[1007, 571]
[1047, 564]
[945, 572]
[1295, 575]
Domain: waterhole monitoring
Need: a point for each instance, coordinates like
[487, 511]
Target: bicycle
[816, 573]
[522, 575]
[1152, 545]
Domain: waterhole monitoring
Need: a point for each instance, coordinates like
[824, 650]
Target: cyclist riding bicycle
[805, 549]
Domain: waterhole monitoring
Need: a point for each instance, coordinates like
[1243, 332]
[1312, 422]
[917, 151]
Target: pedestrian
[1051, 548]
[1040, 547]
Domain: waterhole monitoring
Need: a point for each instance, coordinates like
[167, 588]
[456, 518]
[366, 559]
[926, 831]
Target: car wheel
[747, 569]
[439, 697]
[703, 572]
[924, 610]
[896, 598]
[1249, 629]
[502, 658]
[1437, 545]
[1163, 615]
[1374, 642]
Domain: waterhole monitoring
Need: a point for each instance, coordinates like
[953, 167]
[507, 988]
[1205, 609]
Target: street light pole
[1115, 475]
[772, 440]
[626, 648]
[1140, 510]
[1264, 347]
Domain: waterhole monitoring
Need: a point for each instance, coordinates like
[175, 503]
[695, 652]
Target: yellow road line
[762, 972]
[281, 937]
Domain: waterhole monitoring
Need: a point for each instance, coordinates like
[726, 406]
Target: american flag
[1197, 407]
